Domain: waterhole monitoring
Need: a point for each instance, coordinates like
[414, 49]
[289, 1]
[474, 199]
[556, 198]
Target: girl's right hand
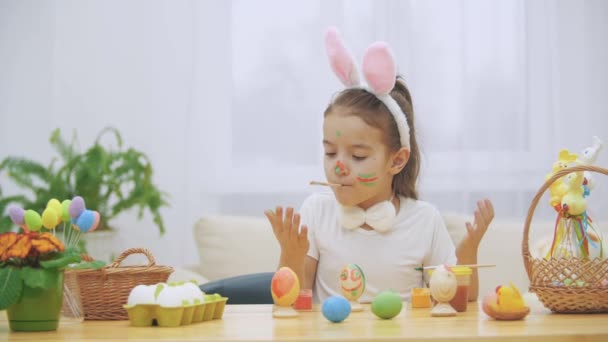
[293, 240]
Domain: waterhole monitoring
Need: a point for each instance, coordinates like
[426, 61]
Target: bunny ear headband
[378, 69]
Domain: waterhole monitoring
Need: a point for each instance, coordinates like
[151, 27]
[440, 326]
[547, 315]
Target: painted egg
[387, 304]
[352, 282]
[17, 215]
[96, 222]
[49, 218]
[336, 309]
[85, 221]
[284, 287]
[443, 284]
[55, 205]
[65, 210]
[77, 206]
[33, 221]
[142, 294]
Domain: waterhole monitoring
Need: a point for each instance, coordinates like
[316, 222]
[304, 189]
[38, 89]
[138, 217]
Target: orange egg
[284, 287]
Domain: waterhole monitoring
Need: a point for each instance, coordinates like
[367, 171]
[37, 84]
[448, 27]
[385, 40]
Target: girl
[374, 218]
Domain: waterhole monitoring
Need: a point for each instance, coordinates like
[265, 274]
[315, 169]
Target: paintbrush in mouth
[325, 184]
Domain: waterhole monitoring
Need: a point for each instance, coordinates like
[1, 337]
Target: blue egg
[336, 309]
[85, 220]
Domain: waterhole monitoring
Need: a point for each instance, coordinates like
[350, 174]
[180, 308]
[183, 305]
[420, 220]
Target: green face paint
[338, 133]
[339, 167]
[367, 179]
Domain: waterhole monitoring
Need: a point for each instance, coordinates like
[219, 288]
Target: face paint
[339, 167]
[338, 133]
[367, 179]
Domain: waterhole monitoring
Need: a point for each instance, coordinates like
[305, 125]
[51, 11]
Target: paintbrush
[471, 266]
[324, 183]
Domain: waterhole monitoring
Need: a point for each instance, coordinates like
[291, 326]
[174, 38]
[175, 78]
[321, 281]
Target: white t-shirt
[419, 238]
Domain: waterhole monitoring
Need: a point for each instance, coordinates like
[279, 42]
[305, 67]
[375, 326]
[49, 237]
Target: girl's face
[356, 157]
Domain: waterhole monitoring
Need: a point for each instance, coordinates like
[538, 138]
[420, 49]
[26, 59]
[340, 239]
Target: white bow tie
[380, 216]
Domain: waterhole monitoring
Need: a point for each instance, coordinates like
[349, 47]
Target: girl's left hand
[467, 248]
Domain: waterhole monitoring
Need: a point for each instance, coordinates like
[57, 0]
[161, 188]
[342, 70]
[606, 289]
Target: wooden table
[255, 323]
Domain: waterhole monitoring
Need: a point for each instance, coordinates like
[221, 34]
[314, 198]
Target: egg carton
[145, 315]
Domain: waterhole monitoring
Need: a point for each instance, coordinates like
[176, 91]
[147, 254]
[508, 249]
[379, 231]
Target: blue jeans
[244, 289]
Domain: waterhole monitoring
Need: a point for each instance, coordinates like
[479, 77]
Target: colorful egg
[55, 205]
[352, 282]
[76, 207]
[96, 222]
[387, 304]
[49, 218]
[65, 210]
[33, 221]
[284, 287]
[85, 221]
[336, 309]
[17, 215]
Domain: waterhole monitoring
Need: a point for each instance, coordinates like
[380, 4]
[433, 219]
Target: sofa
[230, 246]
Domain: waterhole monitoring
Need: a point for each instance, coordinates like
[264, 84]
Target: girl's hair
[366, 105]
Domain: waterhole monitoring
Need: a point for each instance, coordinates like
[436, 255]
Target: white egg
[171, 296]
[141, 294]
[193, 293]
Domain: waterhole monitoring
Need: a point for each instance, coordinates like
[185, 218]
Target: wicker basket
[103, 292]
[592, 297]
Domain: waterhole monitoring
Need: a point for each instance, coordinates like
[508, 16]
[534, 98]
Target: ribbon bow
[380, 216]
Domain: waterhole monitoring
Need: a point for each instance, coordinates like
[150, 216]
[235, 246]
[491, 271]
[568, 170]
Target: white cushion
[235, 245]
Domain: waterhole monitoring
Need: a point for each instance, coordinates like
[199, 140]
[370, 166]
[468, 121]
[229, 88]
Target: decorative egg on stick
[352, 285]
[284, 288]
[443, 286]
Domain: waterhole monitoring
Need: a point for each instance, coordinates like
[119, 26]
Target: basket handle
[525, 248]
[125, 254]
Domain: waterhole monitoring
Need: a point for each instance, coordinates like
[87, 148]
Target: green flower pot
[38, 309]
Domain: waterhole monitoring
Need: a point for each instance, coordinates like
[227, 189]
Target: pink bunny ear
[379, 68]
[340, 59]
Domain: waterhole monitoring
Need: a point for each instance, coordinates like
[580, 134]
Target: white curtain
[226, 97]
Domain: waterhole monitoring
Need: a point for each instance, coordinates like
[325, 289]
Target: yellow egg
[285, 287]
[55, 205]
[49, 218]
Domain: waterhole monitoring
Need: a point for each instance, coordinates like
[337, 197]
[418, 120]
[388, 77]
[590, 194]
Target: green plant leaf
[68, 257]
[39, 277]
[11, 286]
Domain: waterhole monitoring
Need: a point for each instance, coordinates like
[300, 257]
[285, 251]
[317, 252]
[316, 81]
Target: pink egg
[96, 222]
[285, 287]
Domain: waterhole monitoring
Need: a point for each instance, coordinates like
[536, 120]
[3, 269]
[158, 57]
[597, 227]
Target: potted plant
[112, 179]
[32, 262]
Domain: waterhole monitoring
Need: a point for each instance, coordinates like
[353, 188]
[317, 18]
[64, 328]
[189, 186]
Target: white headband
[378, 69]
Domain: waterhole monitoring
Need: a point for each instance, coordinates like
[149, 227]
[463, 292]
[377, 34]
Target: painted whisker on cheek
[367, 179]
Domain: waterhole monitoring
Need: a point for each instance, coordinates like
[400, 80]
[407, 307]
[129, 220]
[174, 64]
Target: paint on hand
[367, 179]
[339, 167]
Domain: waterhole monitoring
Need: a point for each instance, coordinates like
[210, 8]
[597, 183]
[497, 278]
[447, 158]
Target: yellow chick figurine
[558, 189]
[574, 202]
[506, 304]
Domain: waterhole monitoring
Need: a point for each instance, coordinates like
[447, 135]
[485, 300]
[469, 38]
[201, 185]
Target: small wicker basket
[103, 292]
[592, 297]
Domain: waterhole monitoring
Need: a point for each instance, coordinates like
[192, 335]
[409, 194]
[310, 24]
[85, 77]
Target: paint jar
[463, 278]
[421, 298]
[304, 301]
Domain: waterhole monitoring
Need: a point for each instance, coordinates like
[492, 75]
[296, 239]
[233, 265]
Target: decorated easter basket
[103, 292]
[546, 274]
